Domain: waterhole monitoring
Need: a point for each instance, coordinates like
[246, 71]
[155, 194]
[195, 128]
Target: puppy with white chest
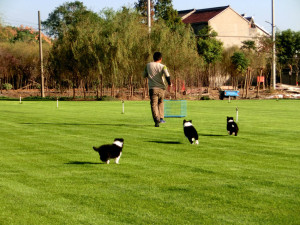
[113, 151]
[232, 127]
[190, 132]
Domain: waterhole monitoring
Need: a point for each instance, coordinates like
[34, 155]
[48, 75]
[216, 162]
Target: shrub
[37, 86]
[106, 98]
[205, 97]
[7, 86]
[38, 98]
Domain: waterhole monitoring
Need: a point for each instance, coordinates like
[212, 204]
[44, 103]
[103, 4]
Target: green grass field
[49, 173]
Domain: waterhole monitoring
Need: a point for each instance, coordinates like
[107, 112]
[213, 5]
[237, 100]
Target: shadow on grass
[166, 142]
[90, 124]
[82, 163]
[213, 135]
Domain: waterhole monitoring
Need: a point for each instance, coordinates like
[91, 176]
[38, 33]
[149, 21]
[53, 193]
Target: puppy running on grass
[190, 132]
[232, 127]
[113, 151]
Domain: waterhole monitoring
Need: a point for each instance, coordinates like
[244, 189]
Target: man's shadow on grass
[82, 163]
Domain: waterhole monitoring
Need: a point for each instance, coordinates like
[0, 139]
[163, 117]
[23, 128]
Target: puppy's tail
[96, 149]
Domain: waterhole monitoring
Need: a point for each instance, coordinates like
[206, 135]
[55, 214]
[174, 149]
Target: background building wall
[232, 28]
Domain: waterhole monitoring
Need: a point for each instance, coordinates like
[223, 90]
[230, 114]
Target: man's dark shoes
[162, 121]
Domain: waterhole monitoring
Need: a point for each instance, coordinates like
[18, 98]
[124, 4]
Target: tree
[142, 7]
[209, 48]
[239, 64]
[63, 18]
[62, 63]
[178, 48]
[181, 51]
[86, 48]
[288, 49]
[225, 65]
[7, 33]
[250, 50]
[19, 62]
[133, 45]
[164, 10]
[248, 45]
[74, 56]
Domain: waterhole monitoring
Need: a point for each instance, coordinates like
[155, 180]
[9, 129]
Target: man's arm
[168, 80]
[145, 74]
[167, 75]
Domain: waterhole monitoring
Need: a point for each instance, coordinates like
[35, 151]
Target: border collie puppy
[232, 127]
[113, 151]
[190, 131]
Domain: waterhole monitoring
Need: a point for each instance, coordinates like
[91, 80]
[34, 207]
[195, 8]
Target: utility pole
[274, 48]
[149, 15]
[41, 57]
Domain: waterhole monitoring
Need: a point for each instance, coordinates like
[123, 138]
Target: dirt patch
[282, 91]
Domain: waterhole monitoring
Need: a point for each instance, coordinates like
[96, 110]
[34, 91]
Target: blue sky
[287, 12]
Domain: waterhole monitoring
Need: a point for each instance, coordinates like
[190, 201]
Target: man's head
[157, 56]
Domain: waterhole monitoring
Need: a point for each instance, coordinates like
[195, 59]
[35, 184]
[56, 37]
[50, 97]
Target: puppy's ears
[184, 121]
[119, 139]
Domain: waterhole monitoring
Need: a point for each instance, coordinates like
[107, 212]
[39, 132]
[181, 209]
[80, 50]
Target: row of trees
[19, 56]
[110, 49]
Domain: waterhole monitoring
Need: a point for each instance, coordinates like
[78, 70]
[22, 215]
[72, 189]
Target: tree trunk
[245, 85]
[175, 87]
[112, 90]
[280, 74]
[83, 88]
[297, 73]
[74, 92]
[146, 91]
[101, 85]
[208, 76]
[131, 86]
[249, 82]
[97, 88]
[258, 83]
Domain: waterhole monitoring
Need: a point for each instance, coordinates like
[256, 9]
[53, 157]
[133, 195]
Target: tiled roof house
[232, 28]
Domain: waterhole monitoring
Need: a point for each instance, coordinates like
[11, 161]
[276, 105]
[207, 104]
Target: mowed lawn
[49, 173]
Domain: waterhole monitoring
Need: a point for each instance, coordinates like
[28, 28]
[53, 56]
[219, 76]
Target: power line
[231, 36]
[238, 36]
[27, 24]
[18, 20]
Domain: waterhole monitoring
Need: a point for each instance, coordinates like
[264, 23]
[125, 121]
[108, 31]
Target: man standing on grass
[155, 72]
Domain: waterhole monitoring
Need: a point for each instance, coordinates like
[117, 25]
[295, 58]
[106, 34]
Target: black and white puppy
[232, 127]
[190, 132]
[113, 151]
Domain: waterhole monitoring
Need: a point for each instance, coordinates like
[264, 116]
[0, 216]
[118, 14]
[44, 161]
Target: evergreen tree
[142, 7]
[164, 10]
[209, 48]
